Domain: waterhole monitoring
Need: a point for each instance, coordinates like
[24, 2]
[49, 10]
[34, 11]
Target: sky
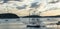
[27, 5]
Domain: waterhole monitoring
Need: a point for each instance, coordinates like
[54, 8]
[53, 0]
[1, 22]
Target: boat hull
[33, 25]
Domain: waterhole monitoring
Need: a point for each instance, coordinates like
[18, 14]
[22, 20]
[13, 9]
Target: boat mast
[34, 12]
[7, 9]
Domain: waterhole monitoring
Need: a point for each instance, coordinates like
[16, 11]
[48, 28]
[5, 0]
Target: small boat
[33, 20]
[33, 25]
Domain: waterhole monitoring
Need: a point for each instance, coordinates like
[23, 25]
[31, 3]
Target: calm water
[36, 28]
[6, 24]
[17, 27]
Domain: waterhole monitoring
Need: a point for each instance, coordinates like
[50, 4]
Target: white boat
[33, 25]
[34, 22]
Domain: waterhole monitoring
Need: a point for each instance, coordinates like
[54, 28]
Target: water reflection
[33, 28]
[36, 28]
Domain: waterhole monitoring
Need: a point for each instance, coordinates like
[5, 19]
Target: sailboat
[34, 20]
[33, 23]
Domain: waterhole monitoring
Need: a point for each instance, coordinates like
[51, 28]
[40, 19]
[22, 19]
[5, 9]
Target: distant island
[8, 15]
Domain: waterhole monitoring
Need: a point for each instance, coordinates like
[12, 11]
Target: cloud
[21, 7]
[34, 5]
[5, 1]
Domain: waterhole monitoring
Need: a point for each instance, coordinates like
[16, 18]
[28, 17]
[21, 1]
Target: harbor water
[18, 24]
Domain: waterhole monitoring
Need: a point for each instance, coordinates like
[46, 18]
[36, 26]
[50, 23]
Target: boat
[33, 20]
[33, 23]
